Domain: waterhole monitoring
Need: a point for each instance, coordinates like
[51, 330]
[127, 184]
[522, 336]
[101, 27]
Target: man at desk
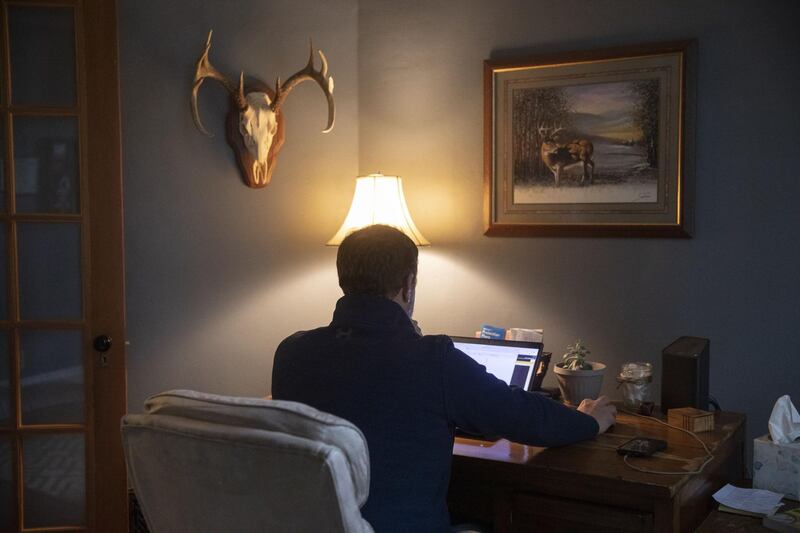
[407, 392]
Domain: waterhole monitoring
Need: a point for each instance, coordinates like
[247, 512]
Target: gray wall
[736, 282]
[218, 274]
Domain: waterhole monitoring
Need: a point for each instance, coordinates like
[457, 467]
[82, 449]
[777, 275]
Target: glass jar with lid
[634, 379]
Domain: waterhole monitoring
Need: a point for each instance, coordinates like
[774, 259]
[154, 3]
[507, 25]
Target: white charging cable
[709, 458]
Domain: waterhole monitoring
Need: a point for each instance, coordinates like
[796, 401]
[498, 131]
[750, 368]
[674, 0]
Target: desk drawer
[531, 512]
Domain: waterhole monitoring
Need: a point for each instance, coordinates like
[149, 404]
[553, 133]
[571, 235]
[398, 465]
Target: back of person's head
[376, 260]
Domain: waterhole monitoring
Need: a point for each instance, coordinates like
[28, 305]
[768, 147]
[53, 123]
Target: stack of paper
[755, 501]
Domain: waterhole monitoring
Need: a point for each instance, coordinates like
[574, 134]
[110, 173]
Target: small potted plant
[578, 378]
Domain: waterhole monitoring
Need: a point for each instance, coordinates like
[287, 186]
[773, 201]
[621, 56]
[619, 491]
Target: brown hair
[375, 260]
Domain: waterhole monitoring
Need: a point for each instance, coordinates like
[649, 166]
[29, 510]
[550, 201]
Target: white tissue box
[776, 467]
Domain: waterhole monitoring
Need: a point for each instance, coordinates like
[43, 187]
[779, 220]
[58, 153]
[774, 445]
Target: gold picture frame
[590, 143]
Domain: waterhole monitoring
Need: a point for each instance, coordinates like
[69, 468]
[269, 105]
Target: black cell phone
[642, 447]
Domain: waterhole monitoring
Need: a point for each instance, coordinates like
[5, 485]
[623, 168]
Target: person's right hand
[601, 410]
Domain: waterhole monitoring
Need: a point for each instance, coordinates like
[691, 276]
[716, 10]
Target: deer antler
[320, 76]
[205, 70]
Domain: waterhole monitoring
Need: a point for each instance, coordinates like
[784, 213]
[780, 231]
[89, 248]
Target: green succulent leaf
[575, 357]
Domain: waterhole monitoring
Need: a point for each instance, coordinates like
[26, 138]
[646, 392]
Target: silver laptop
[514, 362]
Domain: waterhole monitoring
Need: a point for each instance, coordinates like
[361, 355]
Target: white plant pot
[577, 385]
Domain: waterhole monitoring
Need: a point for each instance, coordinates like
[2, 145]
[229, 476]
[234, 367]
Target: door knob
[102, 343]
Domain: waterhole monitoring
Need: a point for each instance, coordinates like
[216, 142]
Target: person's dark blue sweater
[407, 392]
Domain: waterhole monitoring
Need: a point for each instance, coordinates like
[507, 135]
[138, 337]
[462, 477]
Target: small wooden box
[694, 420]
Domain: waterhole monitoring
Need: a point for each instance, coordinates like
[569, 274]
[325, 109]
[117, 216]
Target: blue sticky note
[492, 332]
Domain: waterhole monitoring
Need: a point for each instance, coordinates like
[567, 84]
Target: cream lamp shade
[379, 199]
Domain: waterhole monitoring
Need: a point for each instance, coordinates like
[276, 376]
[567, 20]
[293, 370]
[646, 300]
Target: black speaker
[684, 374]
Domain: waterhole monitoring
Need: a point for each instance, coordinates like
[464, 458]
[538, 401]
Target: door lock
[102, 343]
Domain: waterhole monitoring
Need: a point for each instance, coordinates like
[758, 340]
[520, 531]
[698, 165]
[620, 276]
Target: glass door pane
[6, 419]
[42, 55]
[49, 270]
[53, 479]
[3, 271]
[2, 164]
[46, 164]
[51, 375]
[7, 512]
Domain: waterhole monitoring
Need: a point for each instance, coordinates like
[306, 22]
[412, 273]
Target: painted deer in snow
[558, 156]
[255, 124]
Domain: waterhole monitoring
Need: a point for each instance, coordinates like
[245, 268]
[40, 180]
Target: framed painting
[590, 143]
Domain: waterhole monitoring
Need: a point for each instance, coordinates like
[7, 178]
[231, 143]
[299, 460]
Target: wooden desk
[587, 487]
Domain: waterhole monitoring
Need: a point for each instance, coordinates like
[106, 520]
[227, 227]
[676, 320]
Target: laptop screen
[511, 361]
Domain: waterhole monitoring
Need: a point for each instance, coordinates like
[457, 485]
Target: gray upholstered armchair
[207, 463]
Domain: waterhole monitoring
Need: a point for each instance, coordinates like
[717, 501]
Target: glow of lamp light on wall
[379, 199]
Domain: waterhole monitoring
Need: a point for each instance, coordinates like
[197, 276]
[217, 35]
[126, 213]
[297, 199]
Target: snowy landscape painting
[587, 143]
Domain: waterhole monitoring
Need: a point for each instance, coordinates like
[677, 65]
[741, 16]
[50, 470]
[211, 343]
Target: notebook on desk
[514, 362]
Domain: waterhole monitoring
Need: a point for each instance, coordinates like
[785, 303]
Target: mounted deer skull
[255, 124]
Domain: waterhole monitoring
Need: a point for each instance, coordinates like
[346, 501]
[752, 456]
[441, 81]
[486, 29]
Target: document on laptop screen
[514, 365]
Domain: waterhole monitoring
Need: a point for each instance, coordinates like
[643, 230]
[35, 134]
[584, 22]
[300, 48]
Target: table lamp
[379, 199]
